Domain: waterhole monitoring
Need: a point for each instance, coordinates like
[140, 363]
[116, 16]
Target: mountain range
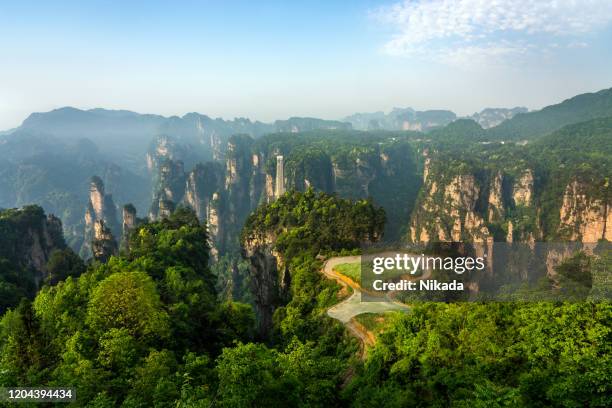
[50, 159]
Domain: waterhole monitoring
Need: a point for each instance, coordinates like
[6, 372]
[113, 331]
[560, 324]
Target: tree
[62, 264]
[128, 300]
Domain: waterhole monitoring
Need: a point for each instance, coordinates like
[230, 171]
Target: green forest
[147, 328]
[227, 304]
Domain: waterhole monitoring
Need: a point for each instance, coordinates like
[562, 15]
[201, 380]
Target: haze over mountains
[51, 157]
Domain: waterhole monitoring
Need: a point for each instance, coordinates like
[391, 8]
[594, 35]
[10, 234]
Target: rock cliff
[99, 208]
[270, 278]
[103, 245]
[584, 217]
[28, 238]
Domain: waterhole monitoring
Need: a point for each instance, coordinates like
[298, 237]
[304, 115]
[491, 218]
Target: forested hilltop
[148, 328]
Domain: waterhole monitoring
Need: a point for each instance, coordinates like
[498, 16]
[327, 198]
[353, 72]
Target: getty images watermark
[501, 271]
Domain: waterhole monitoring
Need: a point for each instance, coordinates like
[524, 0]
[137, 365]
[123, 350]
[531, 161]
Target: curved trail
[346, 310]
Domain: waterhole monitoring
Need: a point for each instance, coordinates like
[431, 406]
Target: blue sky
[269, 60]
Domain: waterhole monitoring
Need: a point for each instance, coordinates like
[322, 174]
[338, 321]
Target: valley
[149, 259]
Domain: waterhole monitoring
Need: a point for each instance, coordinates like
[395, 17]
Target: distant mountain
[126, 135]
[460, 131]
[295, 124]
[538, 123]
[401, 119]
[37, 168]
[491, 117]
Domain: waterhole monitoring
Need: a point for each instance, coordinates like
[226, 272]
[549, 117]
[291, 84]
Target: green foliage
[62, 264]
[129, 301]
[252, 375]
[352, 271]
[495, 354]
[20, 229]
[577, 109]
[136, 331]
[315, 222]
[355, 165]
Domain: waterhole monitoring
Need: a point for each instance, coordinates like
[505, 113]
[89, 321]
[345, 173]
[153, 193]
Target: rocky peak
[582, 217]
[270, 278]
[522, 191]
[446, 212]
[38, 236]
[129, 221]
[97, 197]
[100, 207]
[169, 188]
[495, 201]
[103, 244]
[462, 192]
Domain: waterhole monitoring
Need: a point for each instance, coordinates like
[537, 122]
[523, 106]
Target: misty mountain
[580, 108]
[401, 119]
[491, 117]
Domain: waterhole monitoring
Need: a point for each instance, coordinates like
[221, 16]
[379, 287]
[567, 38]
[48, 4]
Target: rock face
[295, 125]
[130, 221]
[169, 188]
[203, 191]
[492, 117]
[100, 208]
[496, 201]
[522, 193]
[455, 207]
[584, 218]
[447, 213]
[401, 119]
[29, 237]
[103, 244]
[270, 278]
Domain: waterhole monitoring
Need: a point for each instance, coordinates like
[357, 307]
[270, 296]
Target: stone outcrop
[522, 192]
[36, 237]
[100, 208]
[130, 221]
[203, 193]
[447, 212]
[169, 187]
[496, 201]
[270, 278]
[103, 245]
[584, 218]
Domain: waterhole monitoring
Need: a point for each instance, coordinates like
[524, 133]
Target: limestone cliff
[28, 238]
[447, 211]
[130, 221]
[496, 201]
[103, 245]
[99, 208]
[463, 203]
[584, 217]
[169, 187]
[522, 193]
[203, 191]
[270, 278]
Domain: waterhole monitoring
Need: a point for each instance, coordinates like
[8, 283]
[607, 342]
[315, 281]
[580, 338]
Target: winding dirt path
[346, 310]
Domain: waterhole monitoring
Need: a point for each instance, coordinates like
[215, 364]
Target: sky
[270, 60]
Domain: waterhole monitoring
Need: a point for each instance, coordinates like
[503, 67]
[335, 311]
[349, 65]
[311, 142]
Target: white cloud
[458, 29]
